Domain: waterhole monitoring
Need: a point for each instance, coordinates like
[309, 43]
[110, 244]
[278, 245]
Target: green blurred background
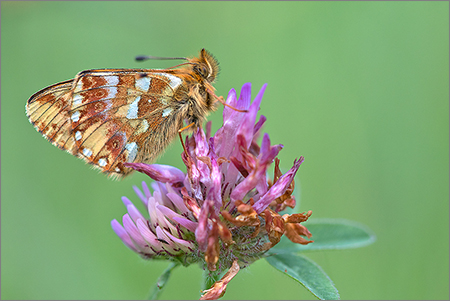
[361, 89]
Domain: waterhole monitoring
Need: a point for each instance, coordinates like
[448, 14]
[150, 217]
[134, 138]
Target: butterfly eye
[202, 70]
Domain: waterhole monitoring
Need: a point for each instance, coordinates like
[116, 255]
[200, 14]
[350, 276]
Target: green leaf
[307, 272]
[329, 234]
[158, 287]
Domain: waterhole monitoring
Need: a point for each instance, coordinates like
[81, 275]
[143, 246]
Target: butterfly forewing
[112, 116]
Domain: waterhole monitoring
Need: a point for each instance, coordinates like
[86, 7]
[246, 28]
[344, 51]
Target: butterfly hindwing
[115, 115]
[48, 109]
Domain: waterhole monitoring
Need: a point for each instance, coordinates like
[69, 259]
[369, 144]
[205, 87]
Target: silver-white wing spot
[76, 100]
[174, 81]
[143, 83]
[112, 80]
[132, 151]
[102, 162]
[75, 116]
[78, 136]
[166, 112]
[87, 152]
[79, 86]
[133, 109]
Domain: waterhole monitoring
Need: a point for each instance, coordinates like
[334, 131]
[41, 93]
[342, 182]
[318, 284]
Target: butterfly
[111, 116]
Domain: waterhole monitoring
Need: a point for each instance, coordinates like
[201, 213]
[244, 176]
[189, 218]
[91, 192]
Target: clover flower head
[224, 212]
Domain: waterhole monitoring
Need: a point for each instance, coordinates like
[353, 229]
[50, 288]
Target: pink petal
[134, 233]
[123, 235]
[140, 195]
[134, 213]
[167, 242]
[184, 245]
[126, 201]
[232, 101]
[147, 192]
[152, 212]
[158, 172]
[188, 224]
[148, 235]
[225, 137]
[216, 188]
[201, 150]
[202, 231]
[248, 123]
[161, 189]
[168, 212]
[278, 188]
[258, 125]
[208, 130]
[178, 202]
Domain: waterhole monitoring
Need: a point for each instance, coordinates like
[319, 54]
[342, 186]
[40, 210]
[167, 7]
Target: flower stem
[157, 288]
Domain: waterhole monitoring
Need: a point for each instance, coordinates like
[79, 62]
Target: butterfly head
[206, 66]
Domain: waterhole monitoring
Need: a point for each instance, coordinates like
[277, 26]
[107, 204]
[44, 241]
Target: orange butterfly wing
[111, 116]
[48, 109]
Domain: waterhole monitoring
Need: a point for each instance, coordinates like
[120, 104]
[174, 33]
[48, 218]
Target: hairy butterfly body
[111, 116]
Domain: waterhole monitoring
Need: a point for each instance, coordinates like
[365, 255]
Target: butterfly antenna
[149, 57]
[176, 66]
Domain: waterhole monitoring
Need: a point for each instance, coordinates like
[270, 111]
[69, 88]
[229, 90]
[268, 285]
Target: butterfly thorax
[198, 95]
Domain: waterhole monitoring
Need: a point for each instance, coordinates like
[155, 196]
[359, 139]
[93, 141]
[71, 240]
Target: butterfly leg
[181, 138]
